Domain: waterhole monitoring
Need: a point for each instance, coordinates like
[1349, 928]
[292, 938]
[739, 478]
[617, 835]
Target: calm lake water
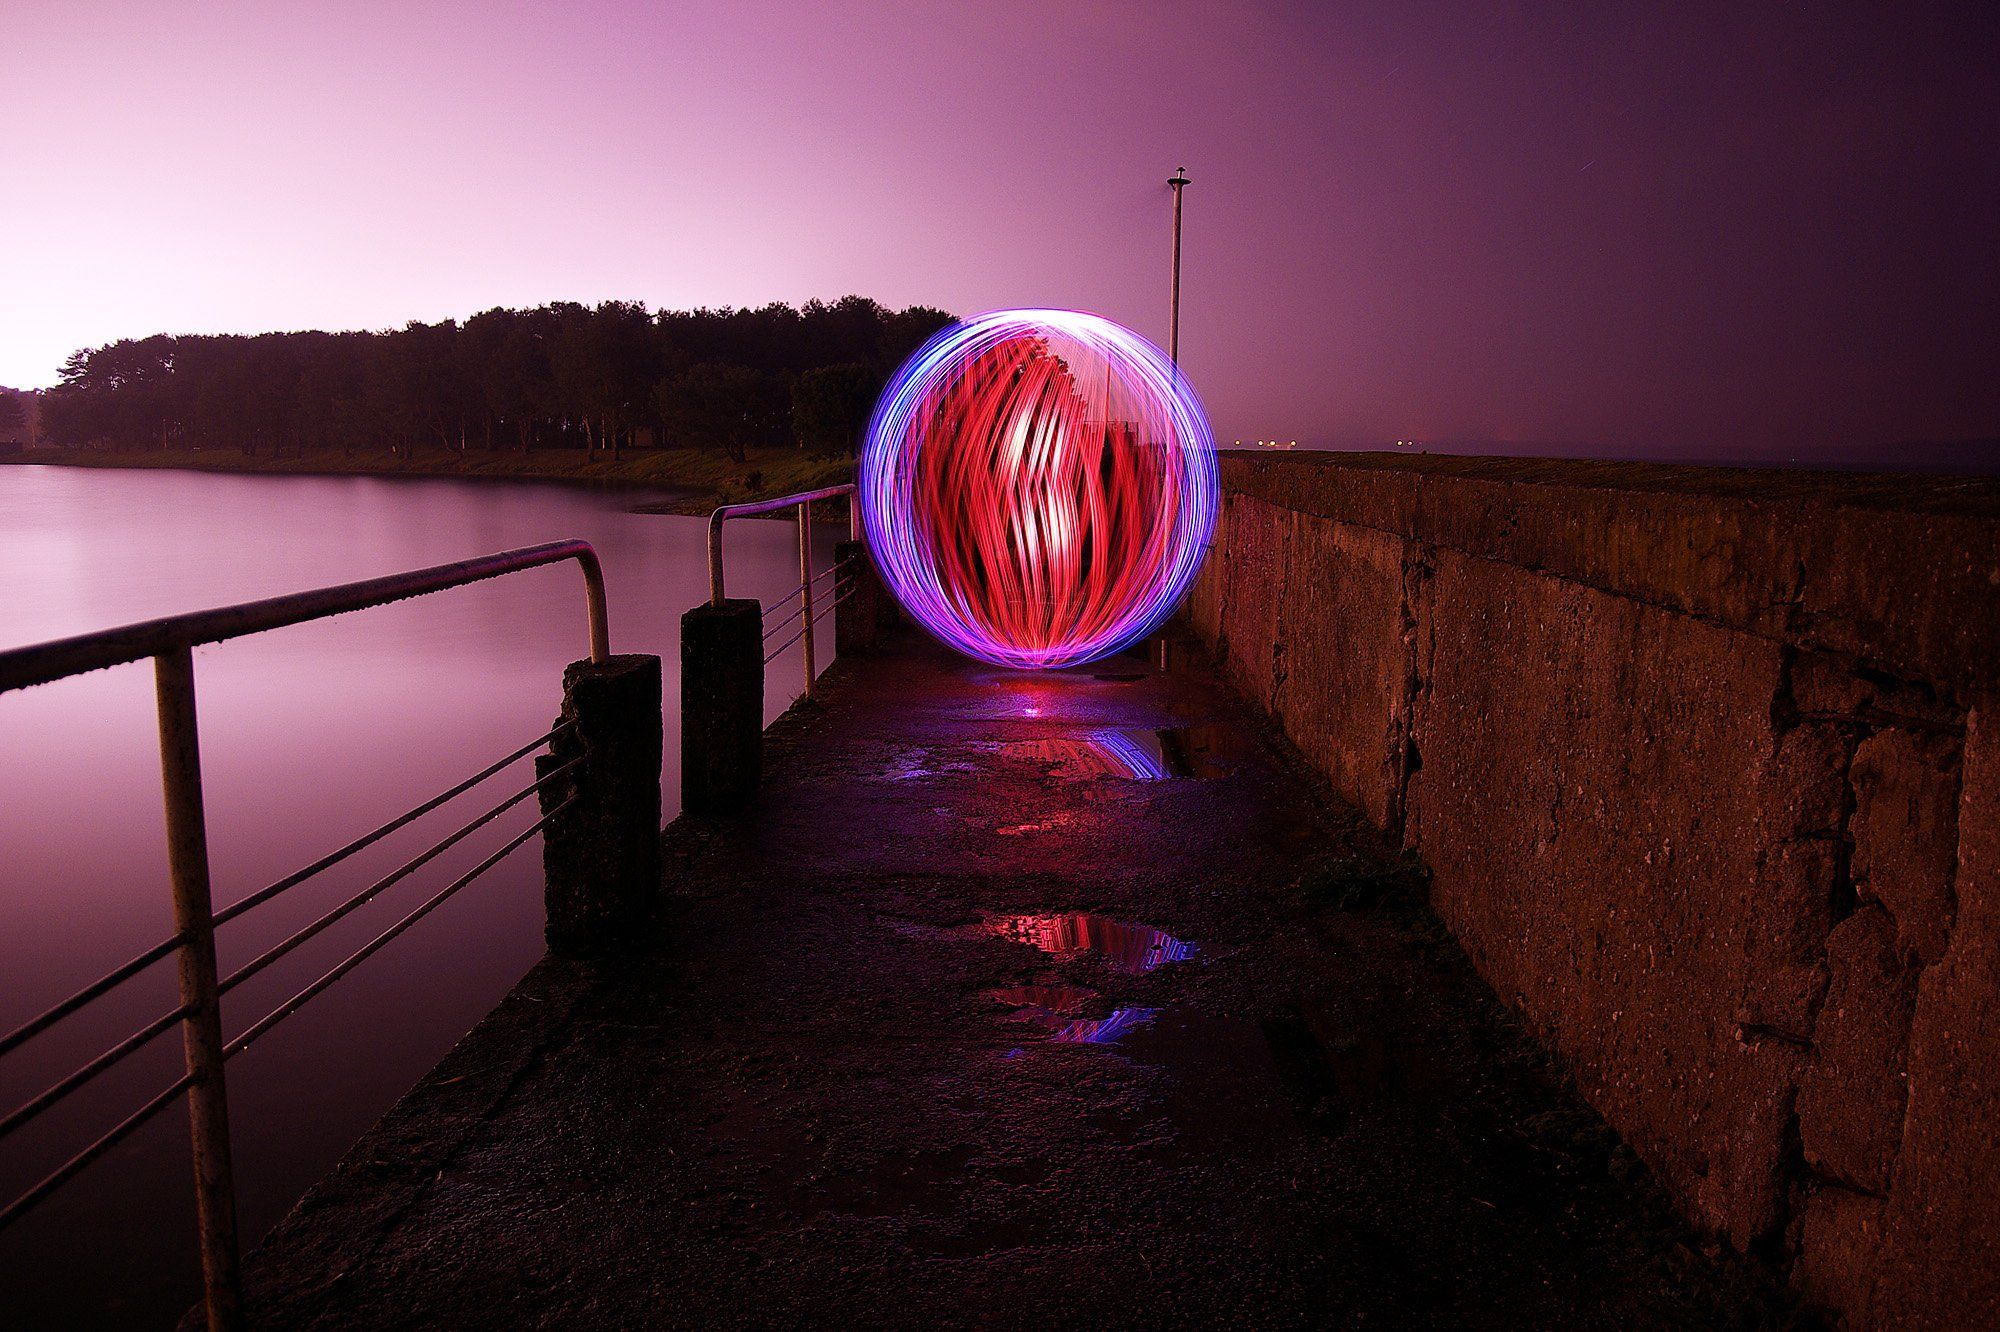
[310, 736]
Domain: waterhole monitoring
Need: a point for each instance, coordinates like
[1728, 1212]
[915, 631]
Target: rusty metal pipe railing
[389, 880]
[201, 1029]
[754, 507]
[803, 502]
[69, 1169]
[59, 1091]
[43, 662]
[369, 949]
[104, 984]
[368, 839]
[170, 642]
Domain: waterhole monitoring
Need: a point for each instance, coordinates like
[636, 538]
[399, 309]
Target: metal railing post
[806, 592]
[715, 521]
[595, 605]
[201, 1029]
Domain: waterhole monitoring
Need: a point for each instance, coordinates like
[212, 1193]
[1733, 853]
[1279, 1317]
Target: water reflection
[1143, 754]
[1132, 949]
[1103, 1031]
[309, 735]
[1060, 1008]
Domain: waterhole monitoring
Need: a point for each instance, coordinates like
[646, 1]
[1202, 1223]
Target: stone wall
[1706, 768]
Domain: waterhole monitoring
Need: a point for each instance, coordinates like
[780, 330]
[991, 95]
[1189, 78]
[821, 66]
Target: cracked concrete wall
[1698, 764]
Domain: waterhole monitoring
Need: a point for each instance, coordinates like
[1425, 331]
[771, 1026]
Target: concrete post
[722, 706]
[869, 612]
[602, 854]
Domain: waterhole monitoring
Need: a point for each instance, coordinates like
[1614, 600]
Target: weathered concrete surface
[601, 852]
[1684, 749]
[1905, 832]
[835, 1092]
[722, 704]
[1941, 1259]
[864, 613]
[1895, 570]
[1573, 742]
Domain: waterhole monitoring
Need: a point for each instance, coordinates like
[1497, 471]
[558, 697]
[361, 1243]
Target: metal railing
[170, 643]
[808, 582]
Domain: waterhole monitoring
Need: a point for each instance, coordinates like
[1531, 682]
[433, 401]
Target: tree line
[564, 375]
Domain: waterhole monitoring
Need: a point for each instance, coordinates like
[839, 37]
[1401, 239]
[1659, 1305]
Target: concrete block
[722, 706]
[866, 611]
[601, 855]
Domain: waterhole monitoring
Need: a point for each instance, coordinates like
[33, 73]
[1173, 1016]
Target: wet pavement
[1015, 1003]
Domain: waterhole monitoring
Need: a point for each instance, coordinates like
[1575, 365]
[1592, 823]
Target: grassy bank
[708, 476]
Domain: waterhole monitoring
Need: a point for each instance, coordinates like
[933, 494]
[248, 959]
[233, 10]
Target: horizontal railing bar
[750, 509]
[780, 650]
[28, 1110]
[796, 611]
[42, 662]
[367, 950]
[263, 895]
[381, 885]
[43, 1021]
[63, 1173]
[790, 598]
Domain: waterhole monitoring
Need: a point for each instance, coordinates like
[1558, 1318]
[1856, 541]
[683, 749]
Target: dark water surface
[310, 736]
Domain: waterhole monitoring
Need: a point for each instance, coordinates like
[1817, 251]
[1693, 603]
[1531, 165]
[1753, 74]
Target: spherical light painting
[1038, 487]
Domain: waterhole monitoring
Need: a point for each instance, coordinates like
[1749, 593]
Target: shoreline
[700, 479]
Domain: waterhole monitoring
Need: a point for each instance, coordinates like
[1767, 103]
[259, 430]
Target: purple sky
[1704, 229]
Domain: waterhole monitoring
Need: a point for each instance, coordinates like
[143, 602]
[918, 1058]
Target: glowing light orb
[1038, 487]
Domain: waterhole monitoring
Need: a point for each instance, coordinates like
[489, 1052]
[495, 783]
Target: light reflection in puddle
[1132, 949]
[1103, 1031]
[1060, 1009]
[1143, 754]
[1080, 758]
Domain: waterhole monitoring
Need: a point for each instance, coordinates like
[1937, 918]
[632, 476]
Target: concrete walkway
[1022, 1001]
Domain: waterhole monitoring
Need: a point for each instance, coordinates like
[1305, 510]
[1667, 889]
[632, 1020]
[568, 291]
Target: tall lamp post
[1179, 181]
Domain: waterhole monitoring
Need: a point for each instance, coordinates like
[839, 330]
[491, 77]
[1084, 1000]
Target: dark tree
[830, 406]
[718, 405]
[558, 376]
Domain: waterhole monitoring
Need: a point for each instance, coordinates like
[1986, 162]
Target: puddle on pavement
[1060, 1009]
[1103, 1031]
[1144, 754]
[1132, 949]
